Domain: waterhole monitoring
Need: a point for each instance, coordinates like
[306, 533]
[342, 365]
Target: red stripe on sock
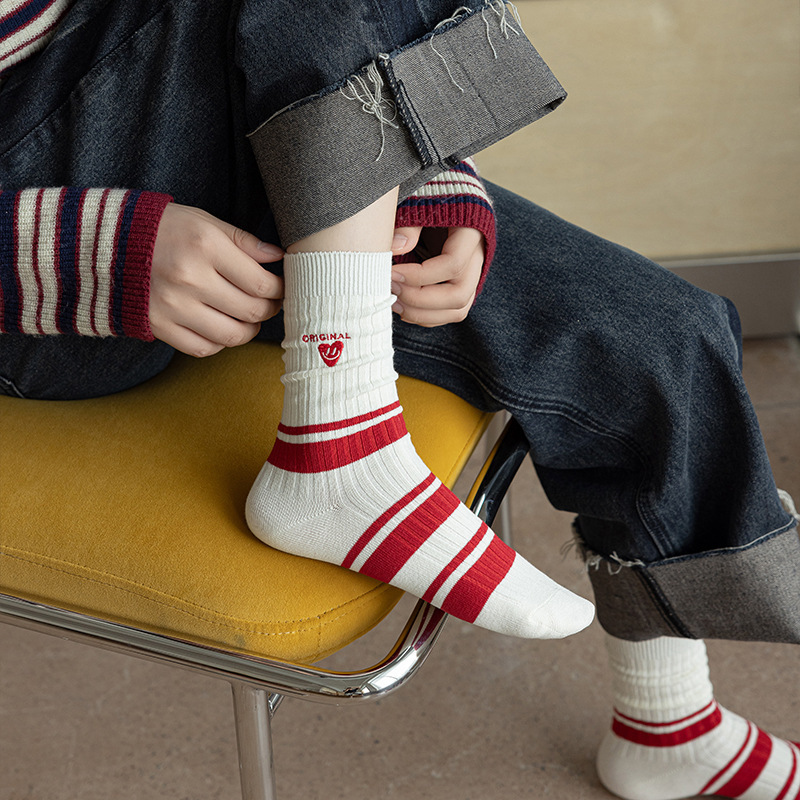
[753, 766]
[681, 736]
[664, 724]
[299, 430]
[397, 548]
[454, 563]
[366, 537]
[336, 453]
[788, 784]
[468, 597]
[750, 728]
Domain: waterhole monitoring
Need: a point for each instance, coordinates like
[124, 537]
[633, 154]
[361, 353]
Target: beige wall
[681, 133]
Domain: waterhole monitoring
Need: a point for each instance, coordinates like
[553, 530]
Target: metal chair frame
[259, 684]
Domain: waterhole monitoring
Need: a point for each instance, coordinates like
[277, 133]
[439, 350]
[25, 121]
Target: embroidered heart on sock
[330, 352]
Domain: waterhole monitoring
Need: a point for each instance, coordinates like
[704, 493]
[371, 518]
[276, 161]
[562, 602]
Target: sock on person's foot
[344, 484]
[670, 739]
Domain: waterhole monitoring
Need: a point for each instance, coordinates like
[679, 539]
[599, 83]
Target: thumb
[405, 240]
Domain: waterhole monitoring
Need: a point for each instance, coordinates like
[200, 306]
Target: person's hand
[208, 289]
[442, 288]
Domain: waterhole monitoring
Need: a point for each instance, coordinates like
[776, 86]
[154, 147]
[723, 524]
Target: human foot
[670, 739]
[344, 484]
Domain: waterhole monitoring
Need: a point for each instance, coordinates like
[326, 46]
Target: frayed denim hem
[402, 119]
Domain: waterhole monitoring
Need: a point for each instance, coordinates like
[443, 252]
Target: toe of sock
[562, 614]
[529, 604]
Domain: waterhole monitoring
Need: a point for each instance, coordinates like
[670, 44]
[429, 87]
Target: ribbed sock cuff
[659, 679]
[330, 274]
[663, 654]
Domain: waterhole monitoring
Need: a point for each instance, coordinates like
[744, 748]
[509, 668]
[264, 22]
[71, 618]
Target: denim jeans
[329, 105]
[625, 379]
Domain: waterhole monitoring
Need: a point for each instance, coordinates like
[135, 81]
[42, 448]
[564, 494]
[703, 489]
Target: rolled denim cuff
[746, 594]
[399, 121]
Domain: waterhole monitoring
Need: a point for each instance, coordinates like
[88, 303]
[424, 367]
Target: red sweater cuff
[138, 263]
[456, 198]
[459, 211]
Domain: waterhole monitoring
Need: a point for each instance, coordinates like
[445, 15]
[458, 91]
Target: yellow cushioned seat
[131, 508]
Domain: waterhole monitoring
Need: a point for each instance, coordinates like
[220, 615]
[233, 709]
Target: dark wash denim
[625, 378]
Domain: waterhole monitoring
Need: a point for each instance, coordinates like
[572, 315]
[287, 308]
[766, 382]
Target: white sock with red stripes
[344, 484]
[670, 739]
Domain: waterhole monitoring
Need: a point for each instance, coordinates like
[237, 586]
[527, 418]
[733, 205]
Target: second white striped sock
[670, 739]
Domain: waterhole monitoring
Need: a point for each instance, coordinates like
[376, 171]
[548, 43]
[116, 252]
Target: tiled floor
[488, 717]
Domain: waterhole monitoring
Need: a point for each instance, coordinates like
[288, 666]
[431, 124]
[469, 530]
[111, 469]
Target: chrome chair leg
[253, 709]
[488, 498]
[502, 523]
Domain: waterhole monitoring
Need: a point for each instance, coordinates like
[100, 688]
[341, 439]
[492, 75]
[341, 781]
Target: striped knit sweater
[456, 198]
[26, 26]
[77, 260]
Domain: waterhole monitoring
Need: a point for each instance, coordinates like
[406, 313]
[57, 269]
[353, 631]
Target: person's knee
[704, 323]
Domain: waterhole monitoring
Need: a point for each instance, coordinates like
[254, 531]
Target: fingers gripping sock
[670, 739]
[344, 484]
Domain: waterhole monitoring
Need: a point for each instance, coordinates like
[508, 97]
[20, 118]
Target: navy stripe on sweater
[23, 16]
[69, 250]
